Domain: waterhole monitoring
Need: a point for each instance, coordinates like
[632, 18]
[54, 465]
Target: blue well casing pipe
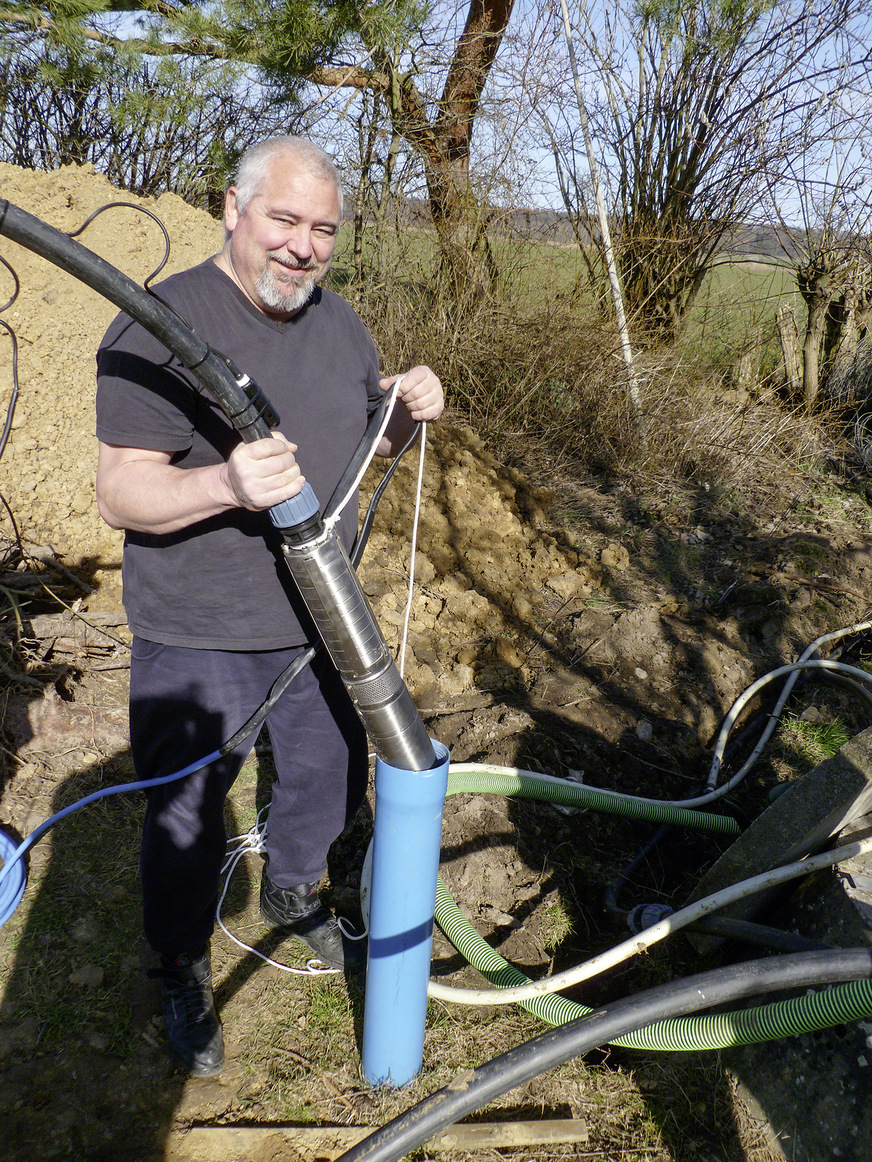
[405, 866]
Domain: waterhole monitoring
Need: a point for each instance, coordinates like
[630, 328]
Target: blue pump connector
[297, 510]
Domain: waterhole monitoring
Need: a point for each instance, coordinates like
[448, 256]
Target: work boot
[299, 910]
[192, 1025]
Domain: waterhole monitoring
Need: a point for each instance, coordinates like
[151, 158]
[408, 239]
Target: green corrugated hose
[527, 786]
[841, 1003]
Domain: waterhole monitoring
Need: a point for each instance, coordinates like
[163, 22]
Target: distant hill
[555, 228]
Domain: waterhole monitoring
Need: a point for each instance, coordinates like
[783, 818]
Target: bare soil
[586, 626]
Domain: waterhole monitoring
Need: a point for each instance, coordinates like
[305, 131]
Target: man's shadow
[84, 1065]
[85, 1073]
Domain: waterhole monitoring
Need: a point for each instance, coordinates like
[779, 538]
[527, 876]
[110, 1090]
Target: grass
[811, 742]
[557, 926]
[603, 602]
[734, 312]
[79, 921]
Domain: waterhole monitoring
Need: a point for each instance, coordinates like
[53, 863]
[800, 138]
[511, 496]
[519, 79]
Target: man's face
[281, 245]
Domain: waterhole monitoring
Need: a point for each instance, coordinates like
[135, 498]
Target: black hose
[613, 891]
[246, 407]
[470, 1091]
[761, 934]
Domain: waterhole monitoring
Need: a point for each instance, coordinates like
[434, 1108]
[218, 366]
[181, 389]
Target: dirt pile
[47, 472]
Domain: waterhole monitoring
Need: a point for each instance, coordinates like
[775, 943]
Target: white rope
[239, 846]
[418, 493]
[389, 409]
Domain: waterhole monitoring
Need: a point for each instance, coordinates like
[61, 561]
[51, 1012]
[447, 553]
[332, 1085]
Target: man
[214, 612]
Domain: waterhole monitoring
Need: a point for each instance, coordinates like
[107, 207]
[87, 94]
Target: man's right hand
[264, 473]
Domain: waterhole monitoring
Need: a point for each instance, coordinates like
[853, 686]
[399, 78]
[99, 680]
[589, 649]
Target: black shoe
[300, 911]
[192, 1025]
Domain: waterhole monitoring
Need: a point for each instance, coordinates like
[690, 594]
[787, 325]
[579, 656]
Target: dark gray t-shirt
[221, 583]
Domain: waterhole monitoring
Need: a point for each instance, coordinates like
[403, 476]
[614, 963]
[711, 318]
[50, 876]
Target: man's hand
[420, 398]
[263, 473]
[420, 391]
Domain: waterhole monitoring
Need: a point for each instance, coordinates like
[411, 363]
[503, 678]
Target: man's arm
[142, 490]
[420, 399]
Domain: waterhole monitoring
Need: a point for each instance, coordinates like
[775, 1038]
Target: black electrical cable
[471, 1090]
[16, 285]
[369, 516]
[751, 933]
[857, 688]
[141, 210]
[13, 395]
[352, 468]
[276, 690]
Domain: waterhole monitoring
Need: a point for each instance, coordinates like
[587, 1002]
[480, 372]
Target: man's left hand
[420, 391]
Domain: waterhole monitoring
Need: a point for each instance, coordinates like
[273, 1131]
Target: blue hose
[13, 876]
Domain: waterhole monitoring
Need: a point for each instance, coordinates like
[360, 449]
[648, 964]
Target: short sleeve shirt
[222, 583]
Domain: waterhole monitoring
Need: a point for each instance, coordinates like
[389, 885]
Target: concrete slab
[802, 820]
[814, 1092]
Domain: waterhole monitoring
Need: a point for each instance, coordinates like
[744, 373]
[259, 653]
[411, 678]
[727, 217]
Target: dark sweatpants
[184, 703]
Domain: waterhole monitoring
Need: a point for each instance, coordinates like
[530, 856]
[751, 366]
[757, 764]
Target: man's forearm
[150, 497]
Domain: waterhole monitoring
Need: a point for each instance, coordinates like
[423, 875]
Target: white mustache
[289, 264]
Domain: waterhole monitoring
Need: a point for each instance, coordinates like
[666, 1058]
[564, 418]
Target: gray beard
[270, 292]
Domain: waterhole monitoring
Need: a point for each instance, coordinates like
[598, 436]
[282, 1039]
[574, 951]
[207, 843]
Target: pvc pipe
[405, 866]
[507, 993]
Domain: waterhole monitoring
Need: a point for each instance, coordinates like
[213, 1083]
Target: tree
[829, 247]
[149, 124]
[291, 41]
[698, 108]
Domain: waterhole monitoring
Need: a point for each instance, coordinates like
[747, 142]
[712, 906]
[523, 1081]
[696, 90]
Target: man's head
[281, 219]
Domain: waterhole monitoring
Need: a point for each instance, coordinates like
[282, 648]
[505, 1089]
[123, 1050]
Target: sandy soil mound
[47, 472]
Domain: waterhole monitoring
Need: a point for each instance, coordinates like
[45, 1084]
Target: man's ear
[231, 212]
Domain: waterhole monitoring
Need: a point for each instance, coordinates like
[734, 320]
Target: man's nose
[299, 242]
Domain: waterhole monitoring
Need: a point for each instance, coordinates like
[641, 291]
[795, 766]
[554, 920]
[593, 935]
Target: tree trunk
[443, 143]
[788, 334]
[811, 349]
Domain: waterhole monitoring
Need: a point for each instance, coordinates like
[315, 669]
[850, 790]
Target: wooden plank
[272, 1143]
